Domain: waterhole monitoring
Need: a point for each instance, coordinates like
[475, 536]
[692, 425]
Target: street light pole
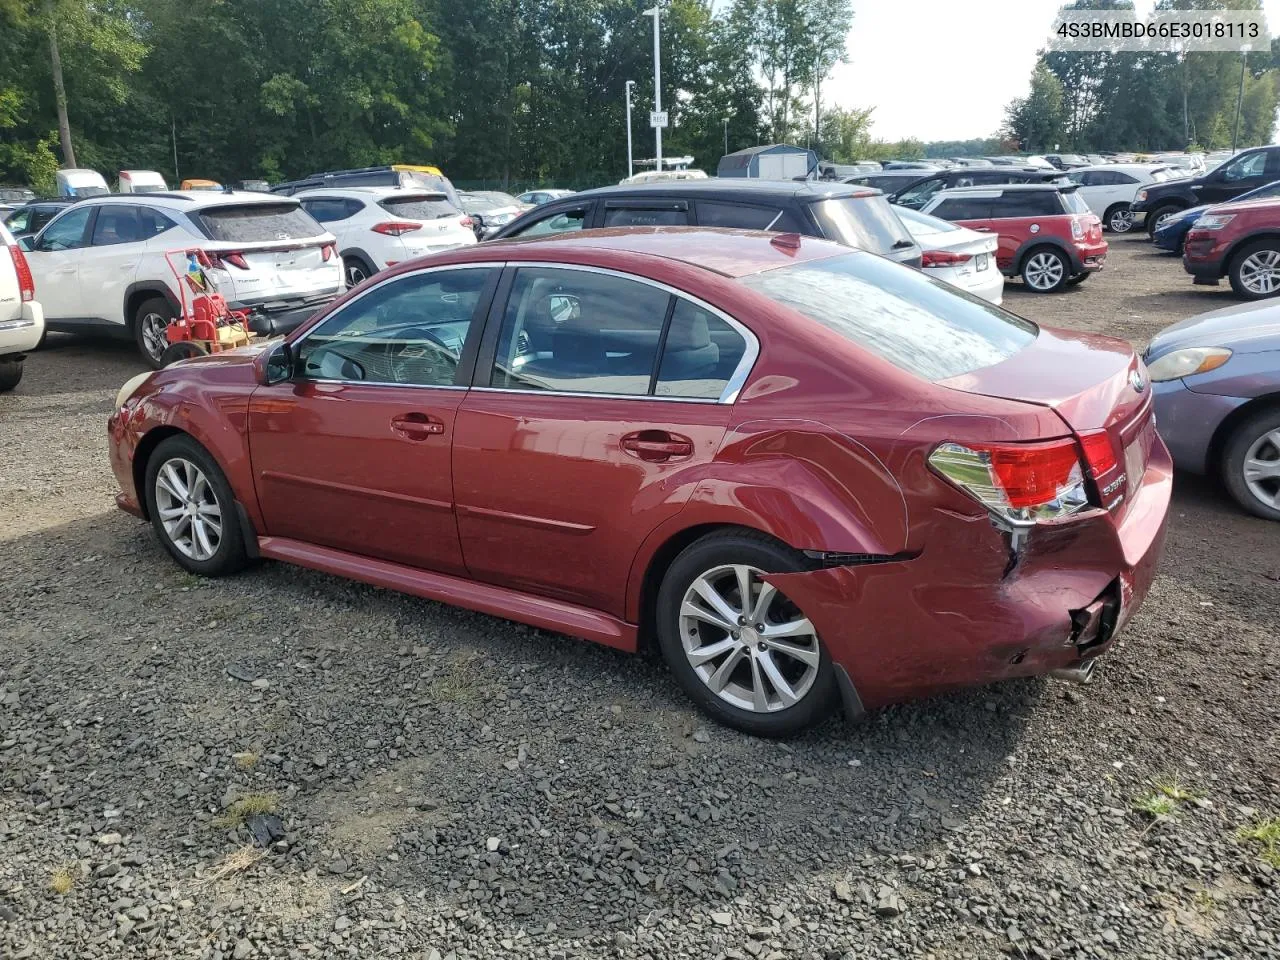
[726, 136]
[1235, 133]
[657, 81]
[630, 167]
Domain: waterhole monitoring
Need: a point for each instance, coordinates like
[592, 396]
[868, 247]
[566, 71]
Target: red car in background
[1240, 241]
[1048, 235]
[813, 475]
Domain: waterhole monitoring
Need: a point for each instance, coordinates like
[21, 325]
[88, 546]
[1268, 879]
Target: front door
[55, 265]
[1240, 175]
[110, 262]
[601, 402]
[354, 452]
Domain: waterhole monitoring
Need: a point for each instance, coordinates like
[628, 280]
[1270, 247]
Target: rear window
[257, 223]
[424, 207]
[918, 324]
[1075, 203]
[867, 223]
[1027, 203]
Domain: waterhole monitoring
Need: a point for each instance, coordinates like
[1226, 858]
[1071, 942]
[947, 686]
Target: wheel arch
[1035, 243]
[1218, 442]
[1224, 267]
[138, 293]
[142, 456]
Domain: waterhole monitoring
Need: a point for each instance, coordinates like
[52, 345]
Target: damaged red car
[814, 478]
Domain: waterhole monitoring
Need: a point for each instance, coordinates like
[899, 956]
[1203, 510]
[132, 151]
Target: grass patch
[1172, 788]
[463, 681]
[1265, 833]
[237, 861]
[245, 807]
[1167, 794]
[1156, 805]
[64, 878]
[245, 760]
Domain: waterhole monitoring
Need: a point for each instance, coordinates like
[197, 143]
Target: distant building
[777, 161]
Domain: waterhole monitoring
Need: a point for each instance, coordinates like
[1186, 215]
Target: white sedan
[956, 255]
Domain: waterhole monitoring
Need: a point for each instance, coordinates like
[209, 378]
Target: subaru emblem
[1135, 378]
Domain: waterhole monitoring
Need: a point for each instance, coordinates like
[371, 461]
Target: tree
[1038, 120]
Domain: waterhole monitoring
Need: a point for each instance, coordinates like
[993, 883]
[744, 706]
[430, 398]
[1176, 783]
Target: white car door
[110, 262]
[54, 259]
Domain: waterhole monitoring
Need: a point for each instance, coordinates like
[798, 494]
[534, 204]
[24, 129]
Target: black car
[919, 190]
[1247, 170]
[852, 215]
[28, 219]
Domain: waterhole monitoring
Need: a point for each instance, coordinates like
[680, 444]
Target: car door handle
[983, 229]
[656, 446]
[417, 426]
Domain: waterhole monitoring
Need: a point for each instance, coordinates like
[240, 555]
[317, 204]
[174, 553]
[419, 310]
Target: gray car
[1216, 380]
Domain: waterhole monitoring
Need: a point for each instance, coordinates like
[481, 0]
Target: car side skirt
[484, 598]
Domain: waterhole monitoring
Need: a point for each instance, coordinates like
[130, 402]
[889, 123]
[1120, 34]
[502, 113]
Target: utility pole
[726, 136]
[817, 110]
[630, 166]
[657, 120]
[1235, 134]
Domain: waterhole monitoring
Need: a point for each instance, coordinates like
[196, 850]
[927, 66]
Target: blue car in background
[1170, 234]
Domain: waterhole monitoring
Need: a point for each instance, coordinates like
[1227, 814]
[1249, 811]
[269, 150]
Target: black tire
[1078, 279]
[10, 374]
[764, 554]
[147, 328]
[356, 269]
[229, 556]
[1236, 267]
[182, 350]
[1234, 453]
[1112, 215]
[1031, 274]
[1153, 216]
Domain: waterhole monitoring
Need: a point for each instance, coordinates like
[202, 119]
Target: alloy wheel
[356, 273]
[188, 509]
[1121, 221]
[1262, 469]
[153, 339]
[1165, 218]
[1260, 272]
[1044, 271]
[746, 641]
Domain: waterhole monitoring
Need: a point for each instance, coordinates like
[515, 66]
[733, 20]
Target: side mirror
[27, 243]
[276, 365]
[564, 307]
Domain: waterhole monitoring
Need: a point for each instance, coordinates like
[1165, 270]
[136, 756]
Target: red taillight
[1032, 474]
[26, 282]
[1020, 483]
[1099, 452]
[236, 260]
[328, 251]
[466, 222]
[218, 259]
[943, 258]
[396, 228]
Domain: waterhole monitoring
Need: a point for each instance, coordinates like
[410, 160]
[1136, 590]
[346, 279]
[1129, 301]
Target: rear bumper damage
[911, 628]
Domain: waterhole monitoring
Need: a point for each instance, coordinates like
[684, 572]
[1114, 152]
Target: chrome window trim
[736, 380]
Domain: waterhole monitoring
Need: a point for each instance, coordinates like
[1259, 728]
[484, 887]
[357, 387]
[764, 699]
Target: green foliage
[1266, 834]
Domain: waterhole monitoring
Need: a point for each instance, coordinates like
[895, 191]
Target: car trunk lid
[1097, 385]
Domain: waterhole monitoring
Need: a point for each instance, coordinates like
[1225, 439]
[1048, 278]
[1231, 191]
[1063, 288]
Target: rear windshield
[867, 223]
[423, 207]
[1075, 203]
[257, 223]
[921, 325]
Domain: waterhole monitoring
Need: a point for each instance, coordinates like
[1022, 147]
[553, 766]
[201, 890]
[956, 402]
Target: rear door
[599, 399]
[645, 212]
[110, 262]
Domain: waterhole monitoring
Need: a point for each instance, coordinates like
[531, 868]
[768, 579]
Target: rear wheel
[1045, 270]
[1118, 218]
[150, 320]
[1255, 270]
[1159, 215]
[357, 270]
[193, 509]
[182, 350]
[1079, 278]
[739, 647]
[1251, 464]
[10, 374]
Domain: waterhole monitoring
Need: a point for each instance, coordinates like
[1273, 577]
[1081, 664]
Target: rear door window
[918, 324]
[257, 223]
[116, 224]
[963, 208]
[744, 216]
[867, 223]
[1027, 203]
[424, 207]
[700, 354]
[673, 214]
[154, 222]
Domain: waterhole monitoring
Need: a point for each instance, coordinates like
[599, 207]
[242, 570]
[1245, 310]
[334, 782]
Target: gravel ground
[449, 784]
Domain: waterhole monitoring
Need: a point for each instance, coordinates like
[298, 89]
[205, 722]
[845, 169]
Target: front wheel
[1157, 217]
[152, 318]
[1251, 464]
[1255, 271]
[1119, 218]
[739, 647]
[1045, 270]
[193, 509]
[10, 374]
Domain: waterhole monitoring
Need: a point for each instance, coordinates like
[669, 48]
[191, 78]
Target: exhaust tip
[1080, 673]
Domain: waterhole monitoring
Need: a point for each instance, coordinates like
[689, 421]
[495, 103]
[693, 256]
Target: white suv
[1109, 188]
[21, 319]
[100, 264]
[380, 226]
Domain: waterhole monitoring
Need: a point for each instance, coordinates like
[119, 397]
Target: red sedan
[814, 476]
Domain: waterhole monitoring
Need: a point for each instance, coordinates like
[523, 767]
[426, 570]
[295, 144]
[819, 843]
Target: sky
[944, 69]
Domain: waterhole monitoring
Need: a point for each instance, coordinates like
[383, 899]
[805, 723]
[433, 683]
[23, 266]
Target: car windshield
[921, 223]
[916, 323]
[1075, 203]
[867, 223]
[424, 206]
[257, 223]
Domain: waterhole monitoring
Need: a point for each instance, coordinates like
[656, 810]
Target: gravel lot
[455, 785]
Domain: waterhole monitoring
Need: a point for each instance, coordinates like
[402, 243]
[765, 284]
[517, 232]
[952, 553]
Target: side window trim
[465, 372]
[497, 310]
[641, 203]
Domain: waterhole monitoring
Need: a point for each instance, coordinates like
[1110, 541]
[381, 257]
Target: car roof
[1123, 167]
[995, 188]
[186, 200]
[730, 253]
[738, 188]
[373, 191]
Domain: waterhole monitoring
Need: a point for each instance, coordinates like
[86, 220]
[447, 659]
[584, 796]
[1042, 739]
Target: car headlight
[130, 386]
[1213, 221]
[1142, 195]
[1187, 362]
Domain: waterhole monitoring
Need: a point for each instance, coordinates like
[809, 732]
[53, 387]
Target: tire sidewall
[358, 262]
[1106, 219]
[1062, 258]
[1232, 465]
[151, 305]
[230, 555]
[10, 374]
[1237, 261]
[696, 559]
[1154, 216]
